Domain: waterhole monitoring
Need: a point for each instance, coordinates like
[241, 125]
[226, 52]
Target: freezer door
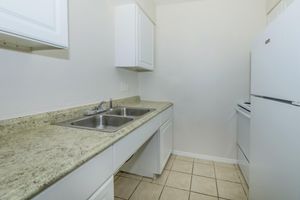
[274, 150]
[275, 59]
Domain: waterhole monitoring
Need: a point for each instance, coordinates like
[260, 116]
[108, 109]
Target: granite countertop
[33, 159]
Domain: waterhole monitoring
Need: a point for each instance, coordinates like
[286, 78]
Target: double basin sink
[108, 121]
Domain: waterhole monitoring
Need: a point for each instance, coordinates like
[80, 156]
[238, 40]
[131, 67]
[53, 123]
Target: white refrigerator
[275, 114]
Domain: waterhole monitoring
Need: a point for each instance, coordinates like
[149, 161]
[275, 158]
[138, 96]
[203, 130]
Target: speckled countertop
[37, 154]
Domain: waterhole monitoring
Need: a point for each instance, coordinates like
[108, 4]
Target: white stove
[243, 137]
[245, 105]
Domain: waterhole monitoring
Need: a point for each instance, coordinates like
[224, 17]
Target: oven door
[243, 131]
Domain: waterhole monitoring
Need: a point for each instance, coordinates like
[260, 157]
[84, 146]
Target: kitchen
[174, 76]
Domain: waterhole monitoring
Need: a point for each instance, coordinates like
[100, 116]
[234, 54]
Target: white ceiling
[268, 2]
[172, 1]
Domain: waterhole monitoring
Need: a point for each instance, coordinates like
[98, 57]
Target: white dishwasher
[243, 138]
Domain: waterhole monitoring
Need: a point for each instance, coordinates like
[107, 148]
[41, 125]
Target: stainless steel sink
[131, 112]
[108, 121]
[104, 123]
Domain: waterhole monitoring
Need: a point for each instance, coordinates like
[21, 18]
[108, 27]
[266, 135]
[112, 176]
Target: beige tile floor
[185, 179]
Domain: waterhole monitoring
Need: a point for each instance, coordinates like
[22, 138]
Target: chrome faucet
[100, 106]
[96, 110]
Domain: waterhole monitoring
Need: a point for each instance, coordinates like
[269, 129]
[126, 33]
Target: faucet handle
[100, 106]
[110, 103]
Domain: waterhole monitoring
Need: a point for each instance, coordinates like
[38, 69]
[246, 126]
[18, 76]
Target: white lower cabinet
[165, 144]
[130, 144]
[145, 161]
[82, 182]
[105, 192]
[144, 151]
[152, 156]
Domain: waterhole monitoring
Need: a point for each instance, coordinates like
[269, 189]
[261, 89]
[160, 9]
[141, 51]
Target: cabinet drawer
[166, 115]
[127, 146]
[84, 181]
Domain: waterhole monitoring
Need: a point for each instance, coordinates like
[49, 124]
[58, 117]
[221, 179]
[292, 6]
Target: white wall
[31, 83]
[203, 67]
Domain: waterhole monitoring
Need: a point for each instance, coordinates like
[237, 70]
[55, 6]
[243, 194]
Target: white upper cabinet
[134, 38]
[33, 23]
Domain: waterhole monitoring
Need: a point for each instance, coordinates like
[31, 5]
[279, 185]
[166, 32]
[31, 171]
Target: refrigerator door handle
[268, 41]
[293, 103]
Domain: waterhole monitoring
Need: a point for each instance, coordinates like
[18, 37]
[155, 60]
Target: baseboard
[205, 157]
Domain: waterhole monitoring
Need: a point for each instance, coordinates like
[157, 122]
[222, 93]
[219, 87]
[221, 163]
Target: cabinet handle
[268, 41]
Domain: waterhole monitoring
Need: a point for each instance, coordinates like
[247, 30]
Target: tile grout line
[186, 174]
[220, 179]
[164, 186]
[227, 181]
[135, 188]
[239, 174]
[216, 180]
[206, 176]
[236, 168]
[199, 176]
[209, 195]
[240, 183]
[191, 174]
[191, 180]
[119, 198]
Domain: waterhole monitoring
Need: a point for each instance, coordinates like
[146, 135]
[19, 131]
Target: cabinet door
[82, 182]
[166, 143]
[44, 21]
[105, 192]
[145, 41]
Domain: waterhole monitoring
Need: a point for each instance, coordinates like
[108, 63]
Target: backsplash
[34, 121]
